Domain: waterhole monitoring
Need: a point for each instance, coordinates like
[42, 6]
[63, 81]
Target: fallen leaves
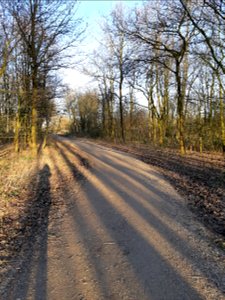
[25, 202]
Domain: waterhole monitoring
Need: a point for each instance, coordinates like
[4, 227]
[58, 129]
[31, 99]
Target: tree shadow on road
[143, 257]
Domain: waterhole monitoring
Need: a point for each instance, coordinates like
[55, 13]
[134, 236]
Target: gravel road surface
[122, 232]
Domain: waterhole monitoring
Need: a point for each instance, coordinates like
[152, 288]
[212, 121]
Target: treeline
[35, 36]
[170, 53]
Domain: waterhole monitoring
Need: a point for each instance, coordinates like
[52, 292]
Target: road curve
[125, 234]
[148, 244]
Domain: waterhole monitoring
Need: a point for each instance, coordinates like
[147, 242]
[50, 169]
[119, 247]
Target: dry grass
[26, 187]
[15, 172]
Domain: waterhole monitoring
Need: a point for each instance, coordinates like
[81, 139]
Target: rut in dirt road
[121, 233]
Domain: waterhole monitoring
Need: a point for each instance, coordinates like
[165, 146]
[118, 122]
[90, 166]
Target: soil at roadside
[25, 205]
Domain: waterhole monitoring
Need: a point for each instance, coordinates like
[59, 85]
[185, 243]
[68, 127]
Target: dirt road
[122, 232]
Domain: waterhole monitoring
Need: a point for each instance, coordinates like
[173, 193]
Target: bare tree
[208, 18]
[45, 30]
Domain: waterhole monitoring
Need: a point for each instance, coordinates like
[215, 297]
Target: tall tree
[45, 30]
[165, 37]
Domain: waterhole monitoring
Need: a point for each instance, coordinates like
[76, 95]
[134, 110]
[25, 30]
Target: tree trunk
[34, 119]
[154, 127]
[17, 133]
[45, 135]
[161, 132]
[222, 123]
[131, 114]
[180, 109]
[121, 111]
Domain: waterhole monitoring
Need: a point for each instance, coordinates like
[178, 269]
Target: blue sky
[91, 12]
[94, 9]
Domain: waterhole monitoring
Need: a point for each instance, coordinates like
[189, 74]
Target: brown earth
[94, 223]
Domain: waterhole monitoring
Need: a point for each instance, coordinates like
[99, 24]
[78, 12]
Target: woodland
[168, 53]
[138, 152]
[35, 39]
